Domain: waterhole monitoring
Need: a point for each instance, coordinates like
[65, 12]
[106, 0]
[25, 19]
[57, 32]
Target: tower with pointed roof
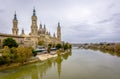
[34, 27]
[59, 32]
[15, 25]
[54, 35]
[44, 28]
[22, 33]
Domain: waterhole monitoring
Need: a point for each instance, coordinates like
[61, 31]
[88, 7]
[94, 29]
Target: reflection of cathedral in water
[43, 67]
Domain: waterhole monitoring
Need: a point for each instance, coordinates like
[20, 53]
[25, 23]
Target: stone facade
[36, 34]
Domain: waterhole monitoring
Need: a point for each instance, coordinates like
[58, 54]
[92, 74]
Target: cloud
[106, 20]
[81, 20]
[1, 11]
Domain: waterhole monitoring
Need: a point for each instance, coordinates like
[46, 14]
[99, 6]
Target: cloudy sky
[81, 20]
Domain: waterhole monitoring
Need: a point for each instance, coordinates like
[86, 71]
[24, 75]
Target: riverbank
[111, 48]
[37, 58]
[13, 65]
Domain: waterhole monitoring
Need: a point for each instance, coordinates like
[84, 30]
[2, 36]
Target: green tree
[14, 54]
[58, 46]
[41, 42]
[70, 47]
[65, 46]
[50, 44]
[10, 42]
[6, 55]
[23, 54]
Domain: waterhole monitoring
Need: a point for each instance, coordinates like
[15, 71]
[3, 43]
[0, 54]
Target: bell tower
[34, 27]
[59, 32]
[15, 25]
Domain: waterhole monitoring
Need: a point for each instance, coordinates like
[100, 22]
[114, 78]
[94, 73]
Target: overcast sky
[81, 20]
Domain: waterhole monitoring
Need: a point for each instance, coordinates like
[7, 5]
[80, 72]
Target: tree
[50, 44]
[49, 47]
[65, 46]
[6, 55]
[70, 47]
[41, 42]
[15, 55]
[23, 54]
[58, 46]
[10, 42]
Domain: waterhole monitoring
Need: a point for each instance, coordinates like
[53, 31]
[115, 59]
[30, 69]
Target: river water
[80, 64]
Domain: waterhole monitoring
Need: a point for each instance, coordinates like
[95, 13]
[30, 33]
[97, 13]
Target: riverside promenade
[43, 57]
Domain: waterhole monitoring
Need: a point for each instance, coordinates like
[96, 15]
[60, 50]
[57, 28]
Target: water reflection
[36, 70]
[108, 52]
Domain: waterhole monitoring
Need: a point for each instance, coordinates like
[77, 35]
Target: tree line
[112, 48]
[13, 53]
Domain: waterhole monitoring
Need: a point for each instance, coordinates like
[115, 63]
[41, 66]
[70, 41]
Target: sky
[82, 21]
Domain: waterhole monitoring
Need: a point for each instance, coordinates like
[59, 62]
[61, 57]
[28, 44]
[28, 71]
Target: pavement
[43, 57]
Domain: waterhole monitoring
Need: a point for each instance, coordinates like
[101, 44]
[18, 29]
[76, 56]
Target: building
[36, 35]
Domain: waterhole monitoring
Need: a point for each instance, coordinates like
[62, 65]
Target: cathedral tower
[59, 32]
[15, 25]
[34, 27]
[22, 33]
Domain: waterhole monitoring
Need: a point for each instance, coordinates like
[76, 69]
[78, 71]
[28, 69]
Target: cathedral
[36, 35]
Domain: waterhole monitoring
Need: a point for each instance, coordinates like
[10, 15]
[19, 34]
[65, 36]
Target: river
[80, 64]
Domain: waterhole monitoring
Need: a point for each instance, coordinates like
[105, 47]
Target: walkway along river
[80, 64]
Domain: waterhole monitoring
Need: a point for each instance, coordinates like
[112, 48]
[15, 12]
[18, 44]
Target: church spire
[59, 32]
[34, 12]
[58, 24]
[44, 27]
[23, 31]
[15, 25]
[40, 26]
[15, 16]
[54, 35]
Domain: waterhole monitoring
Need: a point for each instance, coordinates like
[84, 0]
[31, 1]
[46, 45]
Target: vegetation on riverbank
[15, 55]
[111, 48]
[12, 53]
